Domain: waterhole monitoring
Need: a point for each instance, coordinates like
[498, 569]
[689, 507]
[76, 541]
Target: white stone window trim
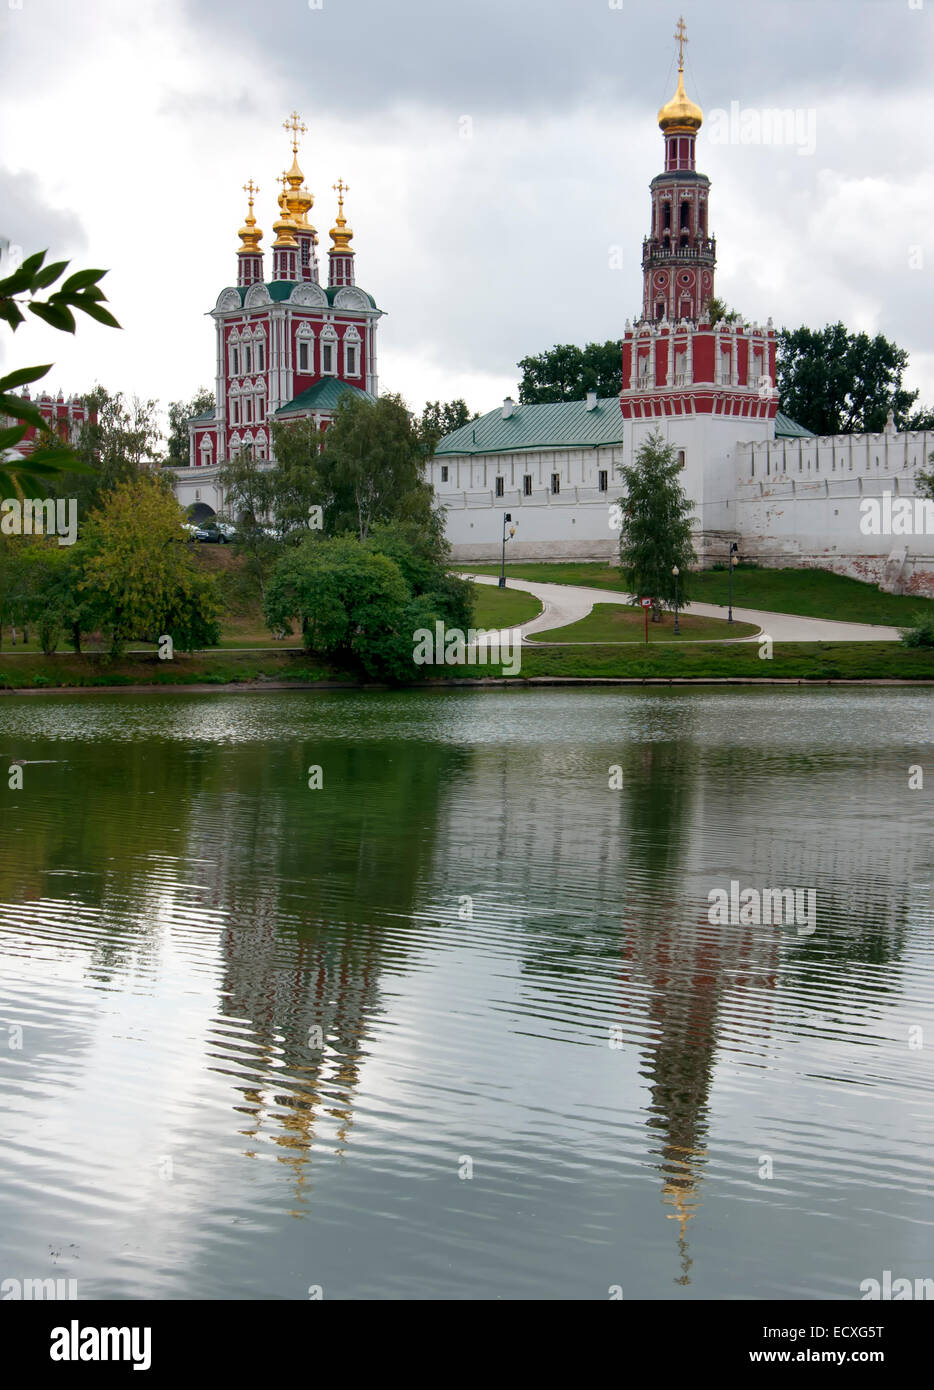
[329, 339]
[351, 345]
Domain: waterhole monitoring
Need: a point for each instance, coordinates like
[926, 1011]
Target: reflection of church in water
[643, 859]
[307, 998]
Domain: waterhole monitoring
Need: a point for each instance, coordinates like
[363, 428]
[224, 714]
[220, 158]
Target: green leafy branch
[80, 291]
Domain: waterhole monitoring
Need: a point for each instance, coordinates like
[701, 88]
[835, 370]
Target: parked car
[215, 533]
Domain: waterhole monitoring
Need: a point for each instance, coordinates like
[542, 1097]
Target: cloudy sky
[498, 154]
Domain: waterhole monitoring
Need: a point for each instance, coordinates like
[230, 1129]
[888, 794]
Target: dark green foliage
[834, 382]
[655, 534]
[80, 291]
[921, 634]
[360, 603]
[180, 412]
[567, 372]
[439, 419]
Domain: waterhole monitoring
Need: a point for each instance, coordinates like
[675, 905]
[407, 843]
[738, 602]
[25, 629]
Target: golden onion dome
[341, 234]
[249, 234]
[300, 200]
[284, 227]
[680, 113]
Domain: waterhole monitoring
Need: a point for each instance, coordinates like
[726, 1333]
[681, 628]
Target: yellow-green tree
[140, 577]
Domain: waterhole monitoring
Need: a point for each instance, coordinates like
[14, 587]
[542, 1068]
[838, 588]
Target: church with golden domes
[289, 346]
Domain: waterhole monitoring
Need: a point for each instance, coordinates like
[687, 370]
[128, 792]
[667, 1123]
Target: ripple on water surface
[458, 1024]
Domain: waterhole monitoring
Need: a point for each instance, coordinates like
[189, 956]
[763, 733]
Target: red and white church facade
[288, 347]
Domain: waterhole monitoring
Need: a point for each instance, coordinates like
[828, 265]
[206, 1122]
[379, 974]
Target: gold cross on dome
[340, 188]
[297, 127]
[251, 189]
[681, 34]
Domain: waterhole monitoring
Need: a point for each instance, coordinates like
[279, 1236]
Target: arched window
[328, 350]
[305, 344]
[259, 350]
[351, 352]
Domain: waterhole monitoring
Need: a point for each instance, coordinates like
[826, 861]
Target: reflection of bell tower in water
[683, 966]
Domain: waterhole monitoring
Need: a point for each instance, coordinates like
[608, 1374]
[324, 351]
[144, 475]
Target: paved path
[568, 603]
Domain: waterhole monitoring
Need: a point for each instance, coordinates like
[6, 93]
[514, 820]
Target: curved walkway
[568, 603]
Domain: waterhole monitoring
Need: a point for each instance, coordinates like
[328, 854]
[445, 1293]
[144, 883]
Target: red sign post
[646, 603]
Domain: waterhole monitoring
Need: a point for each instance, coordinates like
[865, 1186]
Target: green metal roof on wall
[557, 425]
[200, 419]
[786, 428]
[324, 395]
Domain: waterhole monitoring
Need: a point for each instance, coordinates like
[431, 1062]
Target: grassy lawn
[810, 593]
[790, 660]
[664, 661]
[209, 668]
[619, 622]
[494, 607]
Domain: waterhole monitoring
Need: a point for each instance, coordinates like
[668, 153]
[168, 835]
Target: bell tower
[679, 255]
[678, 366]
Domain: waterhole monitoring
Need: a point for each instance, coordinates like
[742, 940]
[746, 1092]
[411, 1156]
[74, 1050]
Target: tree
[924, 482]
[567, 373]
[295, 480]
[351, 602]
[80, 291]
[360, 603]
[718, 312]
[371, 467]
[55, 602]
[834, 382]
[423, 555]
[180, 412]
[247, 488]
[438, 420]
[139, 574]
[15, 583]
[119, 439]
[655, 531]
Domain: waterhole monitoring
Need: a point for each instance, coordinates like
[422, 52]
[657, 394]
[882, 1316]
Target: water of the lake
[253, 1041]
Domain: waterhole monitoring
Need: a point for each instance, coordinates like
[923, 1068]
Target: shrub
[921, 634]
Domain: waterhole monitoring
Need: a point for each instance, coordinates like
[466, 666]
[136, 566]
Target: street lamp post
[734, 558]
[675, 571]
[507, 518]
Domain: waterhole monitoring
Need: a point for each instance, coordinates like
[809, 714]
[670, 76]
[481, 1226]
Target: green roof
[331, 291]
[557, 425]
[324, 395]
[786, 428]
[199, 419]
[281, 289]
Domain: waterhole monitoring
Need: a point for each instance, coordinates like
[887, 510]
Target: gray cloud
[533, 55]
[28, 220]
